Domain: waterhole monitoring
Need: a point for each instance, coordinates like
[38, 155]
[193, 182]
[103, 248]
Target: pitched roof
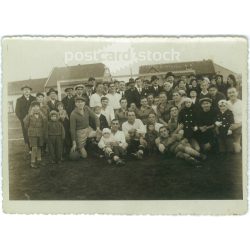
[37, 85]
[200, 67]
[76, 72]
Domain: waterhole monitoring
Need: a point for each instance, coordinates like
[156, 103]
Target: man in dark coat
[155, 89]
[22, 109]
[215, 95]
[52, 103]
[131, 94]
[67, 98]
[80, 92]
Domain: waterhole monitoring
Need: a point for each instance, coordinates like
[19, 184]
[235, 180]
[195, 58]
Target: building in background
[69, 76]
[200, 68]
[14, 90]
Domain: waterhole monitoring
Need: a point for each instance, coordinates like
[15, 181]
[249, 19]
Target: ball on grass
[74, 156]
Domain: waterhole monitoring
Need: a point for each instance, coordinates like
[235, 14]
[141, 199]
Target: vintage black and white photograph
[125, 119]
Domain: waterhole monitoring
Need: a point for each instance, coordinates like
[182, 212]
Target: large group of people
[183, 116]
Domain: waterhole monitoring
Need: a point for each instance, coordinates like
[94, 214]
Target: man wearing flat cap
[22, 109]
[67, 98]
[79, 92]
[52, 103]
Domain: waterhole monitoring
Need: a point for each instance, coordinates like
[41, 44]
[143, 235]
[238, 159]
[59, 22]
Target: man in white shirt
[122, 88]
[114, 98]
[107, 110]
[133, 123]
[118, 134]
[95, 99]
[235, 105]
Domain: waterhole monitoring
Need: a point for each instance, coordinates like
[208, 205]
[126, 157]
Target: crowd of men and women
[185, 117]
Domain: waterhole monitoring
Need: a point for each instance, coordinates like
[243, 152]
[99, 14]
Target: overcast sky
[26, 58]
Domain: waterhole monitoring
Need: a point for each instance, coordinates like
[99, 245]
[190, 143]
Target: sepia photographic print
[125, 125]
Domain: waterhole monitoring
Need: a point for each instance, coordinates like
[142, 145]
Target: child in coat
[224, 119]
[36, 124]
[56, 135]
[188, 118]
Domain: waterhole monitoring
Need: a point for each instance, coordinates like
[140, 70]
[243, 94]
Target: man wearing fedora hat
[155, 89]
[131, 94]
[52, 103]
[22, 109]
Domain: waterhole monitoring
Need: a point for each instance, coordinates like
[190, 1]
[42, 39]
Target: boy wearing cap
[56, 135]
[36, 125]
[224, 120]
[22, 109]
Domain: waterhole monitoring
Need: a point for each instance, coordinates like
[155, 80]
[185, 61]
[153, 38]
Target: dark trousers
[25, 133]
[226, 144]
[119, 151]
[134, 146]
[55, 144]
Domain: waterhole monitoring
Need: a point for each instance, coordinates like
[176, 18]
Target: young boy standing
[56, 135]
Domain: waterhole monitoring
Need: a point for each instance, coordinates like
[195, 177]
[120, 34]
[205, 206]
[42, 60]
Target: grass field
[154, 178]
